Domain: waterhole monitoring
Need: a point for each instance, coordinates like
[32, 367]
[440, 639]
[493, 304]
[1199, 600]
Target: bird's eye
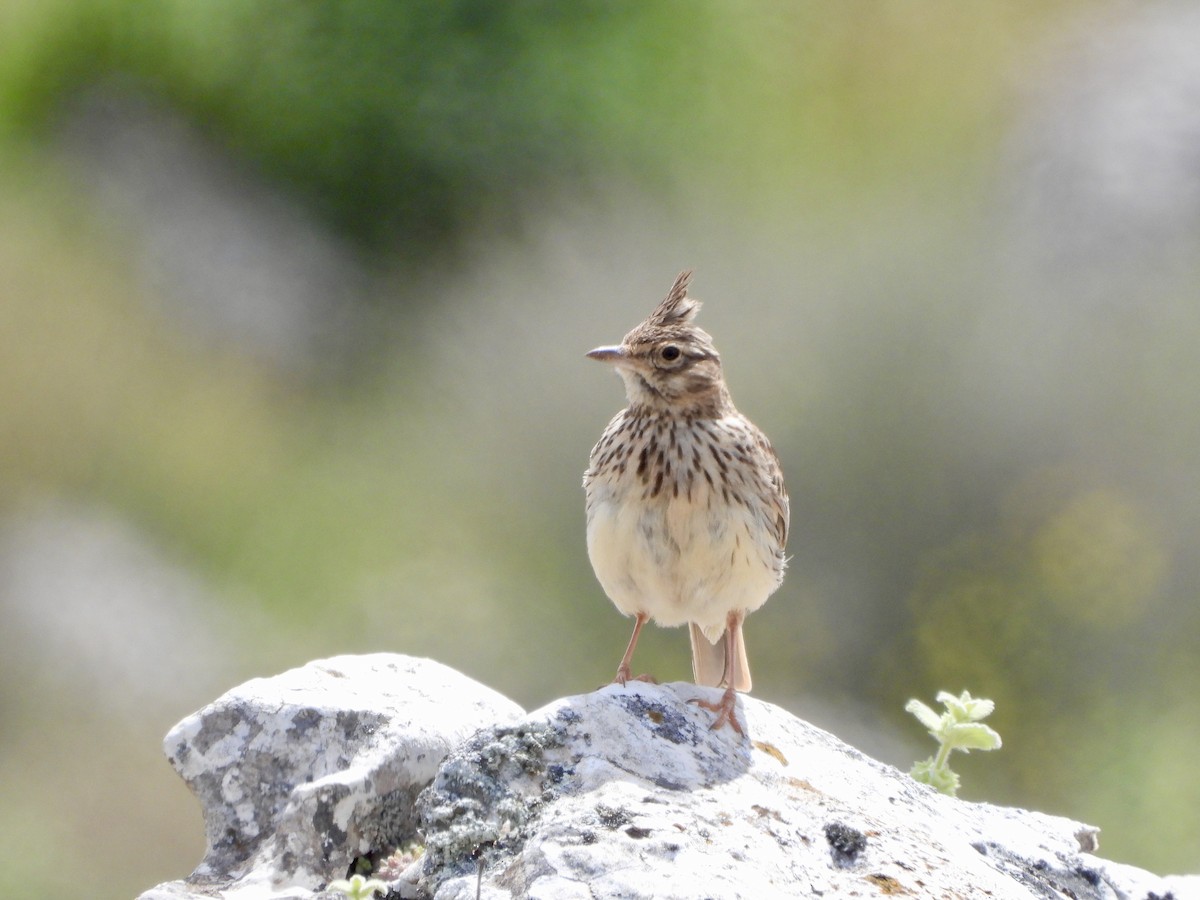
[670, 353]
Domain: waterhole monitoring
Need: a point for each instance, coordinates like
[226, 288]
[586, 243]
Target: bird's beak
[608, 354]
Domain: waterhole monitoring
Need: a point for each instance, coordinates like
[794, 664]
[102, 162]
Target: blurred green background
[293, 305]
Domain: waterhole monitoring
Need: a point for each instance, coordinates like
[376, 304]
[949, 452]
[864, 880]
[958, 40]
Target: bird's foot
[624, 675]
[724, 708]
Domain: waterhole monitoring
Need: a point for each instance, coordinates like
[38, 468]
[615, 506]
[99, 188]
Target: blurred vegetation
[993, 484]
[402, 125]
[395, 123]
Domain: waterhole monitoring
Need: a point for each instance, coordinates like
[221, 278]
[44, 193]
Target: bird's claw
[724, 708]
[624, 676]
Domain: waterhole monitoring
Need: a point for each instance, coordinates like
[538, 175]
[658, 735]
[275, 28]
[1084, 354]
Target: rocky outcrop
[621, 793]
[301, 774]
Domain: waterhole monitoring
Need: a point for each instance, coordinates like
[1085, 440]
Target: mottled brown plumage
[687, 515]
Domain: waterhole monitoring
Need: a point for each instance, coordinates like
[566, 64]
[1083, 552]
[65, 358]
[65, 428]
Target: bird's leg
[724, 708]
[624, 672]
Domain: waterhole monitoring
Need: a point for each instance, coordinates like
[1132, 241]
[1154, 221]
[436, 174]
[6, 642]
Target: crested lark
[687, 515]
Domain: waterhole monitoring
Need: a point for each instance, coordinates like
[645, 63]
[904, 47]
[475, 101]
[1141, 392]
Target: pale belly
[681, 561]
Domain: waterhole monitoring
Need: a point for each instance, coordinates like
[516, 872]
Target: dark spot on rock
[846, 843]
[324, 820]
[349, 722]
[637, 833]
[305, 720]
[568, 716]
[588, 837]
[611, 818]
[665, 722]
[395, 819]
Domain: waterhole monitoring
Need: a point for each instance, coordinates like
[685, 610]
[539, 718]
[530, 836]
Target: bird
[687, 513]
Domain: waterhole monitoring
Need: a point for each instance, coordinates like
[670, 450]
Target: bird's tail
[708, 660]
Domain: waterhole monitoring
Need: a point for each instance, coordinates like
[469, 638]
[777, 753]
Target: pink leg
[724, 708]
[624, 672]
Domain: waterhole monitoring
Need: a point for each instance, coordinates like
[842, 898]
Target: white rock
[301, 773]
[622, 793]
[627, 793]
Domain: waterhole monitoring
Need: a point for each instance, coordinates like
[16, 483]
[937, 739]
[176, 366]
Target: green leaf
[967, 736]
[357, 887]
[958, 728]
[921, 771]
[966, 708]
[954, 705]
[941, 779]
[977, 709]
[925, 716]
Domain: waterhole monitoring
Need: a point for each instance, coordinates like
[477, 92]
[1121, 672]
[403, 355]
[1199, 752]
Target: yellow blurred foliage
[1099, 559]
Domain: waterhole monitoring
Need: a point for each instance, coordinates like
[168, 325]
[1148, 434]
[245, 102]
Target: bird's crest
[677, 308]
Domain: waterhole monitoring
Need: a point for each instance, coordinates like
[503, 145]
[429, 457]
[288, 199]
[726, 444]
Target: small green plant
[357, 887]
[958, 728]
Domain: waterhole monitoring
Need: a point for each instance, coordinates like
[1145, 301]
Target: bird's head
[667, 362]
